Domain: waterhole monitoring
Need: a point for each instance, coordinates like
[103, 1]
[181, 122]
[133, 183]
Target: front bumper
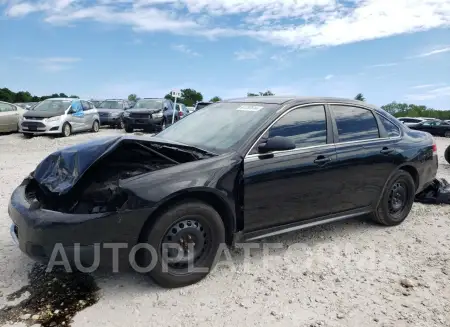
[110, 120]
[40, 127]
[141, 123]
[41, 234]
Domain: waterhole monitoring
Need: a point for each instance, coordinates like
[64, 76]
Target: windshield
[54, 105]
[229, 125]
[202, 105]
[111, 105]
[149, 104]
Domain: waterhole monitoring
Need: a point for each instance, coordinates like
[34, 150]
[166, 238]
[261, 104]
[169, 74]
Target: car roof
[297, 100]
[153, 99]
[64, 99]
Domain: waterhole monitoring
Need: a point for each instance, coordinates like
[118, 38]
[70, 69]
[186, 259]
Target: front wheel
[186, 240]
[397, 200]
[66, 130]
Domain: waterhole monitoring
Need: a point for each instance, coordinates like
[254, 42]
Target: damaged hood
[61, 170]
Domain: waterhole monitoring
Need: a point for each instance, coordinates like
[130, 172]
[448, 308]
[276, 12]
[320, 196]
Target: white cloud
[51, 64]
[432, 53]
[307, 23]
[439, 92]
[426, 86]
[247, 55]
[328, 77]
[389, 64]
[184, 49]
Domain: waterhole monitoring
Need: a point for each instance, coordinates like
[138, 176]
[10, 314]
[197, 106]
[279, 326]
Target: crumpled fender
[62, 169]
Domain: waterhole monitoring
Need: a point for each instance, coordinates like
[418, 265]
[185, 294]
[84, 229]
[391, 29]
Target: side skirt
[287, 228]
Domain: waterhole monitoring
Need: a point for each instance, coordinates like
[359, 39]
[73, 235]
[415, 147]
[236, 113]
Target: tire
[66, 130]
[204, 220]
[27, 135]
[121, 124]
[129, 129]
[95, 126]
[163, 124]
[447, 154]
[447, 134]
[401, 180]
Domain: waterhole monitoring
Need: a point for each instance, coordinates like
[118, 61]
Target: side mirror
[165, 109]
[71, 111]
[276, 143]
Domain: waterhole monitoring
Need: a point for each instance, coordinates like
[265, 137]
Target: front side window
[391, 129]
[304, 126]
[354, 123]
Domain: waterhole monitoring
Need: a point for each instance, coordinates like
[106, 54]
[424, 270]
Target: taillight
[434, 146]
[180, 114]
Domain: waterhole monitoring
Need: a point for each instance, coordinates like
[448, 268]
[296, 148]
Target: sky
[389, 50]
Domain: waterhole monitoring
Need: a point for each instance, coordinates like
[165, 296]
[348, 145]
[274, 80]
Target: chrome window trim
[250, 156]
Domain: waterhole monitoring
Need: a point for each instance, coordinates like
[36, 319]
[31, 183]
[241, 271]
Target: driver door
[290, 186]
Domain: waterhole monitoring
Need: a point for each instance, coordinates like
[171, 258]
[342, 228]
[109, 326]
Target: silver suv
[62, 116]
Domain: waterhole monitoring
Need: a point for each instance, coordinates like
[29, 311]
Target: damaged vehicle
[263, 167]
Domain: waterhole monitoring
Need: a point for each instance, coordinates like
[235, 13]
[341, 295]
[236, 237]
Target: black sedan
[262, 167]
[434, 127]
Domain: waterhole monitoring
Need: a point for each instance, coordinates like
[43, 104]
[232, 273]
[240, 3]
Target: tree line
[190, 97]
[24, 96]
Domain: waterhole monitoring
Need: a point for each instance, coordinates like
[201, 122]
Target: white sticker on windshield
[249, 108]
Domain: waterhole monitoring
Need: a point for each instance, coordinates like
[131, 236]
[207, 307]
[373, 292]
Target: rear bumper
[427, 172]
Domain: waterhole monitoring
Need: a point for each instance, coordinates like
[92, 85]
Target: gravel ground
[351, 273]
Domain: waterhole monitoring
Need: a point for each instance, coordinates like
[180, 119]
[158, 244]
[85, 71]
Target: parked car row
[433, 126]
[64, 116]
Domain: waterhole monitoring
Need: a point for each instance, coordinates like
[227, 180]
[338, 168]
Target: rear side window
[355, 124]
[391, 129]
[304, 126]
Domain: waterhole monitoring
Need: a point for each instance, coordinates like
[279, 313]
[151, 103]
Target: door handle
[321, 160]
[386, 150]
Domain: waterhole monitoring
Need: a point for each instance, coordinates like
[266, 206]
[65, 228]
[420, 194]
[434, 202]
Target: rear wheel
[95, 126]
[66, 130]
[397, 200]
[186, 239]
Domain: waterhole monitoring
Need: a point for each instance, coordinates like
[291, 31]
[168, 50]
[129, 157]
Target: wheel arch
[209, 197]
[406, 168]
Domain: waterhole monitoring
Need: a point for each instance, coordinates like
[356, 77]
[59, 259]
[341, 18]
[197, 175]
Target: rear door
[365, 154]
[290, 186]
[9, 117]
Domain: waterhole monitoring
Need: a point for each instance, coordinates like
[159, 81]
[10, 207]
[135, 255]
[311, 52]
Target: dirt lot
[344, 274]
